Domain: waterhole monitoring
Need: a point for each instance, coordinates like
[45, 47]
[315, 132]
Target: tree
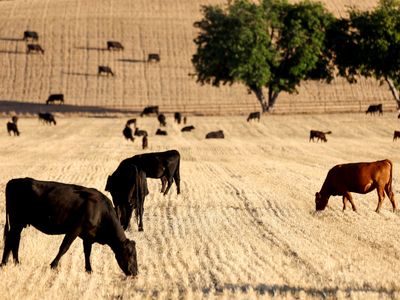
[275, 45]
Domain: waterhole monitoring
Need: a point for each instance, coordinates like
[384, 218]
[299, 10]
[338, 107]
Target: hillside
[73, 34]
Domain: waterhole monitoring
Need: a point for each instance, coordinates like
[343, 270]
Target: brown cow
[359, 178]
[320, 135]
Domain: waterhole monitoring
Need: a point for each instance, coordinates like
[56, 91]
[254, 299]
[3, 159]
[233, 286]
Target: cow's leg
[163, 183]
[350, 198]
[140, 216]
[170, 180]
[87, 249]
[381, 197]
[16, 237]
[66, 243]
[390, 194]
[177, 179]
[344, 203]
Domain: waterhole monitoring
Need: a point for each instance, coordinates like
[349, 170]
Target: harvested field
[245, 224]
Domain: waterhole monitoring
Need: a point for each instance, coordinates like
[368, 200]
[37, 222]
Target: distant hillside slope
[73, 34]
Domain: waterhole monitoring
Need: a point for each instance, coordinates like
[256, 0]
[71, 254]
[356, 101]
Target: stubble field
[244, 225]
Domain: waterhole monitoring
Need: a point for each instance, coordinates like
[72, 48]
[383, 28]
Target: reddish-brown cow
[359, 178]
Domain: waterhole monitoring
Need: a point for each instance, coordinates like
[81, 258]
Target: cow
[161, 118]
[149, 110]
[320, 135]
[153, 57]
[33, 35]
[73, 210]
[145, 142]
[127, 132]
[55, 98]
[396, 135]
[372, 109]
[254, 116]
[113, 45]
[161, 132]
[359, 178]
[219, 134]
[131, 121]
[128, 188]
[12, 127]
[47, 118]
[139, 132]
[36, 48]
[178, 117]
[187, 128]
[106, 70]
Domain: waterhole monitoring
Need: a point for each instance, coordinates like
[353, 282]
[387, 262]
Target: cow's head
[320, 201]
[126, 258]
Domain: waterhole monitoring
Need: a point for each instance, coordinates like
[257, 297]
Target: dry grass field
[244, 225]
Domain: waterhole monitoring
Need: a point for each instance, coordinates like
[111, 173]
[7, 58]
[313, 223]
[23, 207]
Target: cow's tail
[137, 191]
[389, 185]
[177, 176]
[7, 224]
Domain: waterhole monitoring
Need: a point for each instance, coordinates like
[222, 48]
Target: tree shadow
[91, 48]
[11, 39]
[129, 60]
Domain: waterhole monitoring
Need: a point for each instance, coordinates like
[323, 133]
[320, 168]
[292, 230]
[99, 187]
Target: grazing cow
[372, 109]
[161, 118]
[128, 188]
[12, 127]
[31, 35]
[153, 57]
[319, 135]
[359, 178]
[396, 135]
[145, 142]
[55, 98]
[131, 121]
[106, 70]
[47, 118]
[113, 45]
[36, 48]
[254, 116]
[139, 132]
[149, 110]
[127, 132]
[219, 134]
[187, 128]
[161, 132]
[178, 117]
[58, 208]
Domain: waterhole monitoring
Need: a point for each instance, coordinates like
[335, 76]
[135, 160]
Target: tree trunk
[394, 91]
[260, 97]
[272, 96]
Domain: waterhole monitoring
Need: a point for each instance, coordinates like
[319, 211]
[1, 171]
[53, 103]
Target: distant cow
[36, 48]
[178, 117]
[219, 134]
[149, 110]
[184, 120]
[128, 188]
[55, 98]
[153, 57]
[145, 142]
[47, 118]
[396, 135]
[12, 127]
[31, 35]
[127, 132]
[187, 128]
[58, 208]
[359, 178]
[372, 109]
[161, 132]
[106, 70]
[139, 132]
[320, 135]
[113, 45]
[131, 121]
[161, 118]
[254, 116]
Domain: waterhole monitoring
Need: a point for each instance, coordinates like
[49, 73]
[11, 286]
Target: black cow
[149, 110]
[320, 135]
[145, 142]
[372, 109]
[47, 118]
[12, 127]
[187, 128]
[161, 132]
[178, 117]
[184, 120]
[106, 70]
[131, 121]
[55, 98]
[58, 208]
[139, 132]
[254, 116]
[127, 132]
[161, 118]
[128, 188]
[113, 45]
[396, 135]
[31, 35]
[219, 134]
[36, 48]
[153, 57]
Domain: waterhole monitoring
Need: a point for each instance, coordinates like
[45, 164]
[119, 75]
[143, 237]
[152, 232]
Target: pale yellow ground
[245, 224]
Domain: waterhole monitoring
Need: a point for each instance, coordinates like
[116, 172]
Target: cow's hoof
[53, 265]
[140, 228]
